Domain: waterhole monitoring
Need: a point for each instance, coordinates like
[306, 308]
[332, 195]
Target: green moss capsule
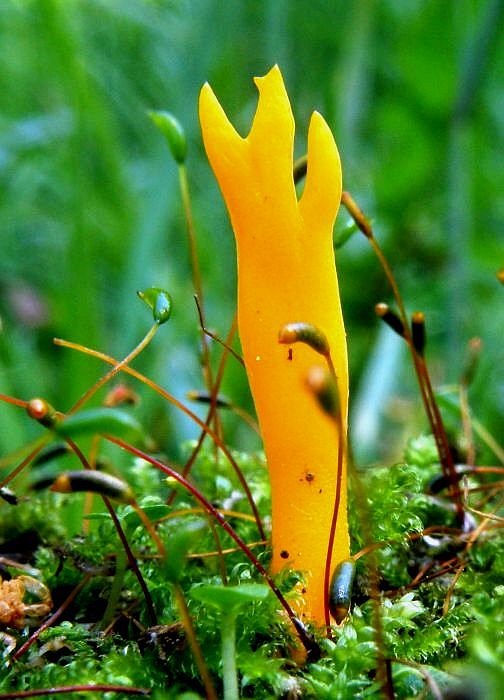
[173, 132]
[300, 332]
[94, 482]
[340, 591]
[159, 301]
[99, 420]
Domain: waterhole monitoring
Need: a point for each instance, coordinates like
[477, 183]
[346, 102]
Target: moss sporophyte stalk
[287, 275]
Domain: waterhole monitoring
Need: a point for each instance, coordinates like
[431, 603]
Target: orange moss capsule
[43, 412]
[286, 270]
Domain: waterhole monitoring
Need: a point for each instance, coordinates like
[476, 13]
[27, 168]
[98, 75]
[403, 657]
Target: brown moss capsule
[418, 331]
[95, 482]
[121, 394]
[8, 496]
[43, 412]
[321, 383]
[390, 317]
[53, 451]
[205, 397]
[300, 169]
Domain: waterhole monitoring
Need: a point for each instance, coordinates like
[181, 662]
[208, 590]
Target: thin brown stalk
[195, 268]
[115, 370]
[433, 686]
[466, 424]
[226, 344]
[384, 675]
[342, 448]
[18, 453]
[229, 550]
[13, 401]
[213, 400]
[155, 387]
[421, 370]
[26, 461]
[191, 235]
[470, 542]
[124, 540]
[305, 638]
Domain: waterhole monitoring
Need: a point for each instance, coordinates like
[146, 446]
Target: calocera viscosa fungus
[287, 273]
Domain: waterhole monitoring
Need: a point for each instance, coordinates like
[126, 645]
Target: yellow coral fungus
[287, 274]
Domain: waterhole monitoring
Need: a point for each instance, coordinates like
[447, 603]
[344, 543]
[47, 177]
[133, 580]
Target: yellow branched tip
[286, 270]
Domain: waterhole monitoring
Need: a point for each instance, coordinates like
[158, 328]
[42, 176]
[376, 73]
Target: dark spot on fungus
[309, 476]
[320, 490]
[289, 355]
[284, 554]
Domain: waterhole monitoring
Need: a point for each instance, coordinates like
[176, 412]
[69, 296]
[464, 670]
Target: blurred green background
[90, 210]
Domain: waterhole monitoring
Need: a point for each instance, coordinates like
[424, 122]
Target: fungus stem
[285, 261]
